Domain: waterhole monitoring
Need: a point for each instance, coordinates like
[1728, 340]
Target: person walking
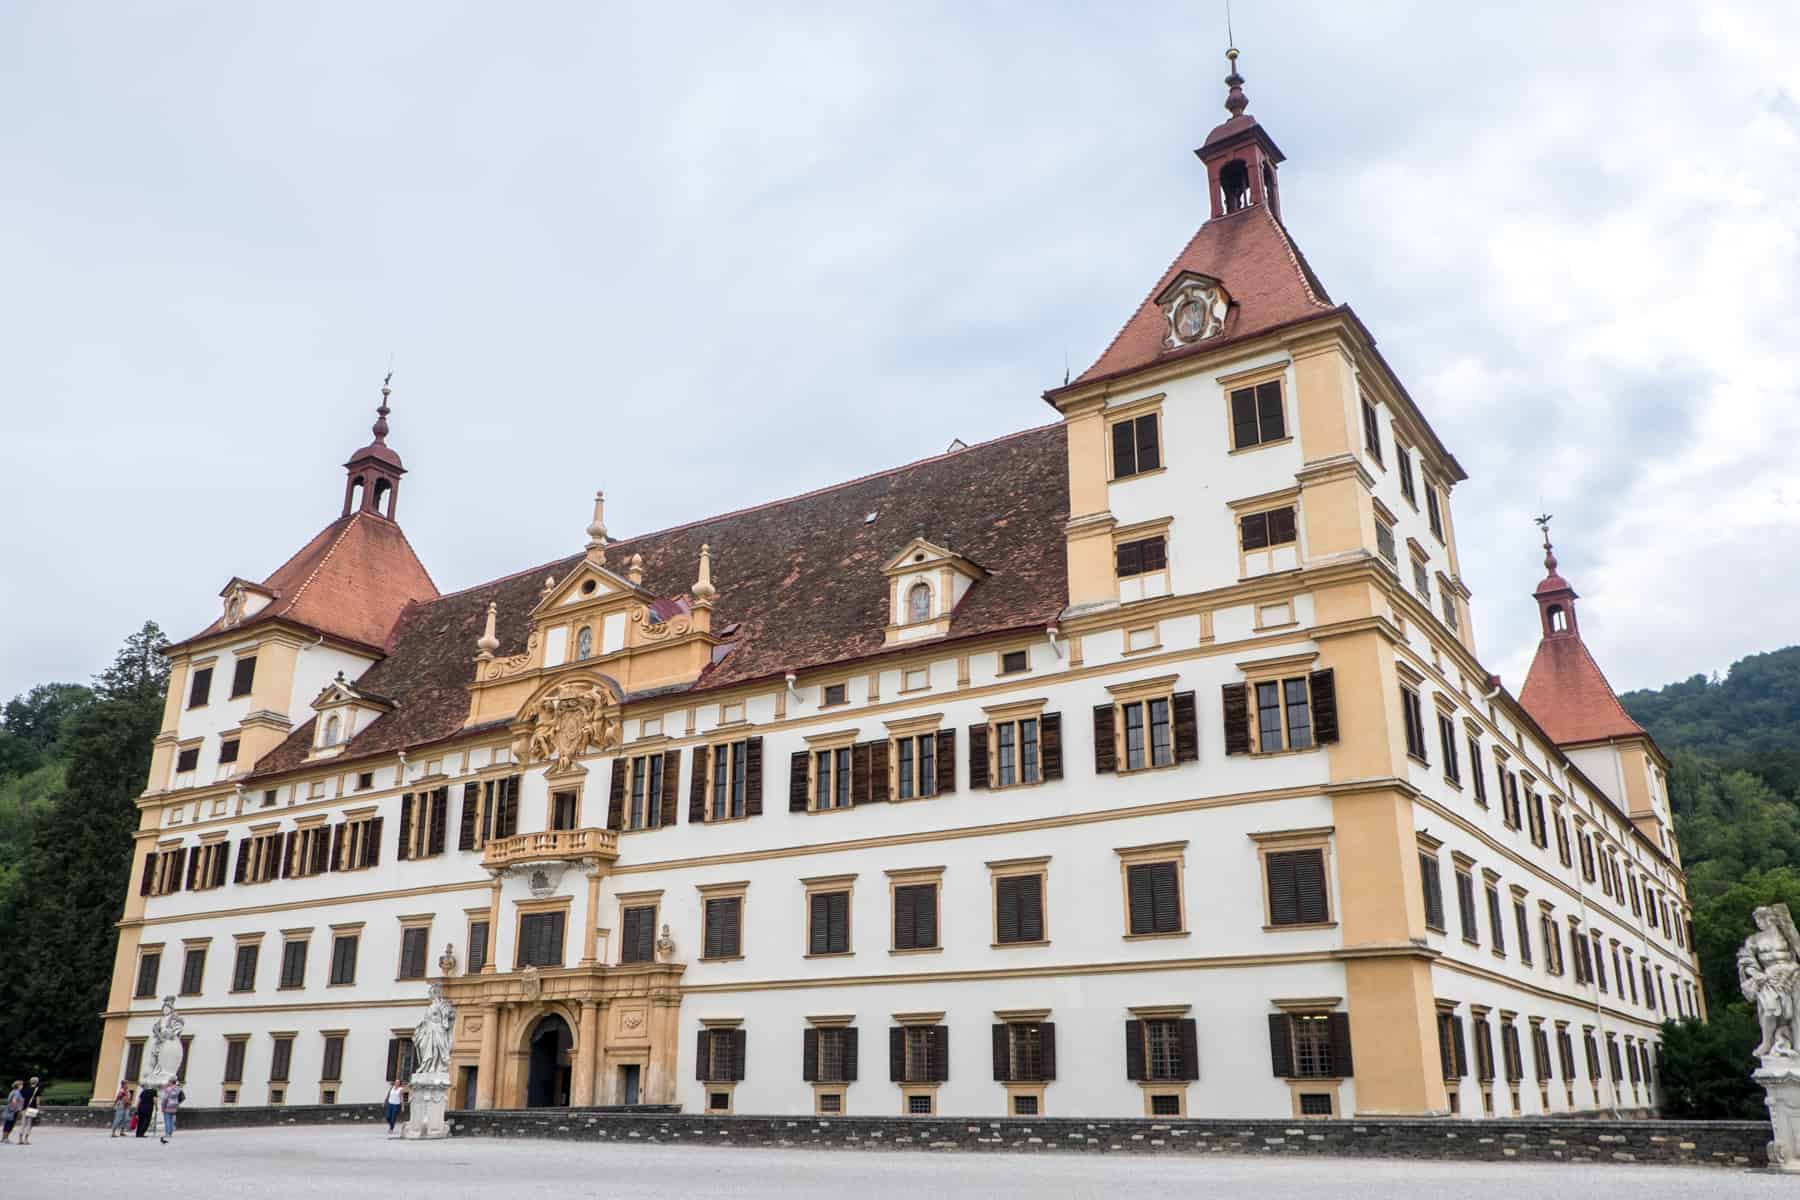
[146, 1110]
[28, 1115]
[395, 1098]
[121, 1109]
[15, 1100]
[171, 1103]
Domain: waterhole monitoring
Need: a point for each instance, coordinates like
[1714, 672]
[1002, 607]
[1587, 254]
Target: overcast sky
[708, 255]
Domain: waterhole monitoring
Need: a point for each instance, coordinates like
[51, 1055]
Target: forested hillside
[1734, 783]
[72, 760]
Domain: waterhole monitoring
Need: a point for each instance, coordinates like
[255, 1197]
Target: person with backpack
[122, 1109]
[146, 1110]
[15, 1100]
[171, 1103]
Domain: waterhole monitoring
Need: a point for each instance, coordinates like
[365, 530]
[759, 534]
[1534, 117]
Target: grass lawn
[68, 1091]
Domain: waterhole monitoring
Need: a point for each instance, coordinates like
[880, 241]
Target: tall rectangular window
[234, 1061]
[724, 926]
[243, 677]
[1018, 909]
[243, 971]
[637, 937]
[828, 920]
[1283, 715]
[1371, 430]
[281, 1059]
[1016, 758]
[646, 792]
[1154, 897]
[1256, 415]
[1447, 743]
[1432, 883]
[730, 781]
[293, 964]
[1148, 741]
[478, 946]
[916, 916]
[564, 809]
[193, 970]
[1403, 458]
[1522, 922]
[149, 967]
[831, 778]
[1465, 906]
[343, 959]
[413, 941]
[331, 1069]
[200, 691]
[916, 765]
[1496, 928]
[1415, 722]
[541, 939]
[1136, 447]
[1433, 512]
[1476, 775]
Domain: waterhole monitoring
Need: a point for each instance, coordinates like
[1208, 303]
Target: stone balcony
[553, 845]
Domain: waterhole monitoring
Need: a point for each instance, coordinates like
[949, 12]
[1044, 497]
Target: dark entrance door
[548, 1084]
[628, 1083]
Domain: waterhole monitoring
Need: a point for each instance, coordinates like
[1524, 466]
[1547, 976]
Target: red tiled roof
[1264, 273]
[799, 579]
[1567, 694]
[350, 581]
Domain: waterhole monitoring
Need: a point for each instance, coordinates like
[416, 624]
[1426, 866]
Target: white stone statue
[665, 946]
[162, 1061]
[1769, 974]
[430, 1082]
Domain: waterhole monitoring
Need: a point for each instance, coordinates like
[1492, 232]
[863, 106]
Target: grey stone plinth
[1780, 1078]
[429, 1104]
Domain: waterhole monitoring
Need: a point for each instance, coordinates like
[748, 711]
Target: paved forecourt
[348, 1163]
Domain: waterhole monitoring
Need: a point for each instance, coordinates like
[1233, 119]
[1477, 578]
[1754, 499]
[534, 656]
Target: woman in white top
[395, 1098]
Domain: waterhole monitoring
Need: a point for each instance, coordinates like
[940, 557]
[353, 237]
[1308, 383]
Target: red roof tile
[1264, 273]
[799, 579]
[350, 581]
[1567, 694]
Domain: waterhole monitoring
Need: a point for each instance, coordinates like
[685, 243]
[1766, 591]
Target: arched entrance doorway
[547, 1085]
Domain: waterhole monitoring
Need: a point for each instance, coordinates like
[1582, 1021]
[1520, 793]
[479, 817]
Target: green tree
[56, 927]
[37, 717]
[1705, 1067]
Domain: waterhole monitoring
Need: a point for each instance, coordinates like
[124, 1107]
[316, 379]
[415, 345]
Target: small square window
[228, 752]
[831, 1103]
[1025, 1106]
[836, 693]
[1013, 661]
[328, 1096]
[718, 1102]
[1315, 1104]
[1164, 1104]
[187, 759]
[365, 781]
[231, 1095]
[919, 1105]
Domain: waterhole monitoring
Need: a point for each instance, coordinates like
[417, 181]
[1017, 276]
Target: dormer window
[1195, 307]
[333, 730]
[918, 603]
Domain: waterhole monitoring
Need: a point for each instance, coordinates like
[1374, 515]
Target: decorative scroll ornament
[566, 722]
[1769, 975]
[500, 668]
[234, 606]
[1195, 312]
[656, 631]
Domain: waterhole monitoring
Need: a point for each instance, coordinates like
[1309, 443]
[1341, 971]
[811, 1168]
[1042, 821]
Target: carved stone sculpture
[162, 1059]
[1769, 975]
[430, 1082]
[447, 961]
[569, 720]
[665, 946]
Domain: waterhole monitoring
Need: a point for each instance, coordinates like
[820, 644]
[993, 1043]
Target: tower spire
[1235, 100]
[380, 428]
[372, 476]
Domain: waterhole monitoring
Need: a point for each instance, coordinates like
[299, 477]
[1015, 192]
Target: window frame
[1254, 382]
[1319, 839]
[1243, 511]
[737, 891]
[628, 902]
[246, 960]
[536, 909]
[1157, 854]
[199, 674]
[339, 934]
[1144, 582]
[409, 926]
[238, 673]
[1412, 711]
[644, 791]
[1372, 431]
[822, 886]
[1018, 868]
[1283, 682]
[147, 954]
[914, 877]
[727, 789]
[1133, 415]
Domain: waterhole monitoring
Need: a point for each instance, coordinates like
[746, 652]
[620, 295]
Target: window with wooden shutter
[1496, 926]
[243, 970]
[1310, 1045]
[1371, 431]
[1451, 1048]
[1153, 899]
[187, 759]
[243, 677]
[479, 936]
[1136, 445]
[343, 959]
[828, 923]
[468, 824]
[1014, 757]
[637, 935]
[331, 1069]
[916, 916]
[228, 752]
[1432, 884]
[1295, 881]
[828, 1055]
[915, 766]
[1019, 908]
[1465, 906]
[149, 967]
[723, 934]
[193, 970]
[1169, 1050]
[281, 1058]
[234, 1060]
[1403, 458]
[1447, 744]
[1257, 417]
[541, 938]
[413, 942]
[1484, 1048]
[293, 964]
[1023, 1052]
[1414, 714]
[1235, 705]
[200, 690]
[799, 781]
[401, 1059]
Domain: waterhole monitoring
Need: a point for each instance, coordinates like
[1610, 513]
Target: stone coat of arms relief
[571, 719]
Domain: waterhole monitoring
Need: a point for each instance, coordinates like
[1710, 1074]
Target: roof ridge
[1148, 296]
[1612, 693]
[322, 560]
[1298, 261]
[820, 491]
[291, 559]
[500, 579]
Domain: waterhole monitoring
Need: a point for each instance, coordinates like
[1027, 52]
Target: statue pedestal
[1780, 1078]
[430, 1096]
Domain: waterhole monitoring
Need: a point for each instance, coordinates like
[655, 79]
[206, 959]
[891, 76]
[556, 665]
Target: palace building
[1141, 763]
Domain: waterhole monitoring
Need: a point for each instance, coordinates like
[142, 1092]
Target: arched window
[354, 500]
[918, 603]
[584, 642]
[1559, 620]
[1234, 181]
[384, 495]
[332, 729]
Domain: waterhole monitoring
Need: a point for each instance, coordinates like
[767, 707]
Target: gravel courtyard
[349, 1163]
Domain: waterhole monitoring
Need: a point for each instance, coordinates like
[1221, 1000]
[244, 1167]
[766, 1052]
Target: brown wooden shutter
[940, 1053]
[337, 847]
[697, 786]
[1324, 708]
[671, 785]
[850, 1055]
[946, 761]
[799, 767]
[372, 847]
[1002, 1054]
[978, 757]
[440, 815]
[1236, 699]
[193, 866]
[471, 801]
[1134, 1050]
[1106, 752]
[218, 866]
[753, 781]
[1006, 910]
[393, 1059]
[1190, 1048]
[859, 773]
[737, 1055]
[897, 1053]
[1050, 744]
[701, 1041]
[149, 875]
[1462, 1049]
[1140, 902]
[1187, 727]
[809, 1055]
[287, 853]
[878, 772]
[1047, 1051]
[243, 861]
[1309, 886]
[1281, 1046]
[615, 801]
[406, 824]
[1284, 905]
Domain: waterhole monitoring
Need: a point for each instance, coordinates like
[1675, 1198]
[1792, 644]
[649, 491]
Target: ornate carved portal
[570, 719]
